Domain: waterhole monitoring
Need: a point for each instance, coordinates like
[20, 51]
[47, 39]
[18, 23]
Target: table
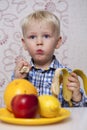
[77, 121]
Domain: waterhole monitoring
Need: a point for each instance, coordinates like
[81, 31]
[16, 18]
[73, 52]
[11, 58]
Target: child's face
[40, 41]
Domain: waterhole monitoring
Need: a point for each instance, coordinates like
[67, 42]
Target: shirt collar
[53, 65]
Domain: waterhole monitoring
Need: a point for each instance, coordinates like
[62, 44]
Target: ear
[59, 42]
[24, 43]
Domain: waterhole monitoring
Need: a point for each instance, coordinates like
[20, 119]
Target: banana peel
[61, 77]
[84, 78]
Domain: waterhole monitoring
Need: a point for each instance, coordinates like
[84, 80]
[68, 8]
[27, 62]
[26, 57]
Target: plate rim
[33, 121]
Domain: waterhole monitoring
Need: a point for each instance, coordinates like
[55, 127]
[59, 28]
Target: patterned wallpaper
[11, 13]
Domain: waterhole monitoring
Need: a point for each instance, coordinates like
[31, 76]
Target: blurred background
[73, 18]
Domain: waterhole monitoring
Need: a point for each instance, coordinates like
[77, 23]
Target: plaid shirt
[42, 80]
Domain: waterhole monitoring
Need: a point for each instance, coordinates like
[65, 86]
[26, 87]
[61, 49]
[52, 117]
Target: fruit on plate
[49, 106]
[15, 87]
[25, 105]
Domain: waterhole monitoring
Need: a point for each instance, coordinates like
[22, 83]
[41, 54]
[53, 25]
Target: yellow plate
[8, 117]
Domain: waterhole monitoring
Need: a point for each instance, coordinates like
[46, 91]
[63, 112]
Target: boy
[41, 36]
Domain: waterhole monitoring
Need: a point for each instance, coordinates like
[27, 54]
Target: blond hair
[41, 16]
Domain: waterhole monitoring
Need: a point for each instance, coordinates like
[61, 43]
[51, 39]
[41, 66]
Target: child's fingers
[73, 77]
[73, 83]
[19, 66]
[25, 69]
[22, 68]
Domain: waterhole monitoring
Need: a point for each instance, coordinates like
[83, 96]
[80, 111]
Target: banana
[84, 78]
[55, 87]
[25, 69]
[63, 72]
[56, 83]
[49, 106]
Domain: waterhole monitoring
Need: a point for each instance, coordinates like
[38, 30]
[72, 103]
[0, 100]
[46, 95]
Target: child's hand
[20, 70]
[74, 86]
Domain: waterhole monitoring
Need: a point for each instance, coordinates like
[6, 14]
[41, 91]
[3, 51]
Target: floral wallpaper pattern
[11, 13]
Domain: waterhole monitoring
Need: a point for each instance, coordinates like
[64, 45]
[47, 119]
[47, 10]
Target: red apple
[24, 105]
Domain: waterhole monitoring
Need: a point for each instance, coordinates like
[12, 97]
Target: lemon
[49, 106]
[15, 87]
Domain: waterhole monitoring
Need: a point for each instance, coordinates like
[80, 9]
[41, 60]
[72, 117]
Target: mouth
[39, 51]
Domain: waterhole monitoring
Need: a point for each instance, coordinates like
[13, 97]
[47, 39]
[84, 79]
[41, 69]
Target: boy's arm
[82, 102]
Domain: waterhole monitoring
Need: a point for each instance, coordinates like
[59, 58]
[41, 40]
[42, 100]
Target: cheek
[30, 49]
[51, 46]
[50, 50]
[28, 45]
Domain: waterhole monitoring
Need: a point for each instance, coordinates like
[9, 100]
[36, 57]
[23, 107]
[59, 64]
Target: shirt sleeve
[83, 101]
[12, 77]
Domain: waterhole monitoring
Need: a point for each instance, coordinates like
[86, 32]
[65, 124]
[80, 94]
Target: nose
[39, 41]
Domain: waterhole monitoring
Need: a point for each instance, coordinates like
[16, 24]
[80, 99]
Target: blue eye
[32, 36]
[46, 36]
